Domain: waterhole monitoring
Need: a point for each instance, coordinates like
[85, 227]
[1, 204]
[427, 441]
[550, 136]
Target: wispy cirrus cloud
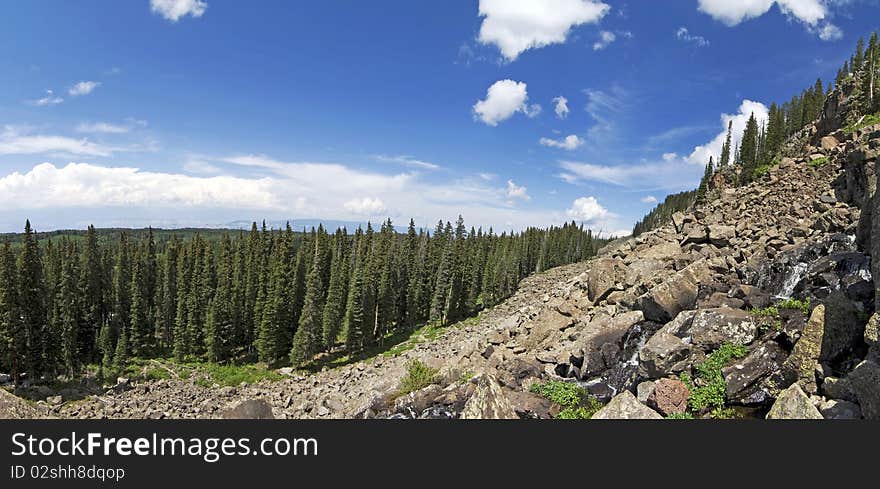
[49, 99]
[409, 161]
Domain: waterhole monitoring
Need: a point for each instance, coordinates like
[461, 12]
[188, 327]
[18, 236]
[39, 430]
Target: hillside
[780, 266]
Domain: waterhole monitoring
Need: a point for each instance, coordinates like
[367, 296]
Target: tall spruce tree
[334, 308]
[309, 339]
[31, 301]
[13, 337]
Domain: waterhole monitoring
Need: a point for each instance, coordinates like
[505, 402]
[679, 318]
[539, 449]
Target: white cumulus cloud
[83, 88]
[86, 185]
[650, 199]
[701, 154]
[515, 191]
[516, 26]
[569, 143]
[605, 40]
[504, 99]
[366, 206]
[830, 32]
[812, 13]
[561, 107]
[588, 211]
[173, 10]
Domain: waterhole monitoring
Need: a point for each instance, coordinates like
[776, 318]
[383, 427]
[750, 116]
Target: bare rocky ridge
[635, 318]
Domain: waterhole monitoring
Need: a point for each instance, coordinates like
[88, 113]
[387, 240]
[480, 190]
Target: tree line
[269, 295]
[761, 144]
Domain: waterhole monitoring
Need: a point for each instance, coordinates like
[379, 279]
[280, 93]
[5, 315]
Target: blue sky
[204, 112]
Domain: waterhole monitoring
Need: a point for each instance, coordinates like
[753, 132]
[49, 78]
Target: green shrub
[803, 306]
[712, 392]
[723, 413]
[766, 312]
[760, 171]
[869, 120]
[818, 162]
[418, 376]
[575, 401]
[684, 415]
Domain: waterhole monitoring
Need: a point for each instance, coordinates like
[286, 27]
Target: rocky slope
[631, 324]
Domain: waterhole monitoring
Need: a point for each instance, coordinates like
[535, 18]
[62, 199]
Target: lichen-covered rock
[488, 402]
[800, 366]
[793, 403]
[712, 328]
[626, 406]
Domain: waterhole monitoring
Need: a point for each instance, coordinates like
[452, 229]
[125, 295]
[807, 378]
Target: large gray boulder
[712, 328]
[720, 235]
[764, 360]
[676, 294]
[626, 406]
[843, 329]
[249, 409]
[606, 275]
[663, 354]
[598, 344]
[793, 403]
[865, 382]
[548, 322]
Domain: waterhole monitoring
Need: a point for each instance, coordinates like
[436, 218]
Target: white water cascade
[791, 281]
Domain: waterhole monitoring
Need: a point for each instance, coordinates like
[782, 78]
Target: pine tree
[220, 325]
[106, 346]
[386, 314]
[13, 337]
[92, 286]
[276, 327]
[121, 355]
[706, 181]
[168, 300]
[181, 339]
[418, 295]
[725, 149]
[334, 308]
[308, 339]
[355, 312]
[32, 307]
[749, 150]
[121, 290]
[70, 313]
[443, 283]
[139, 331]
